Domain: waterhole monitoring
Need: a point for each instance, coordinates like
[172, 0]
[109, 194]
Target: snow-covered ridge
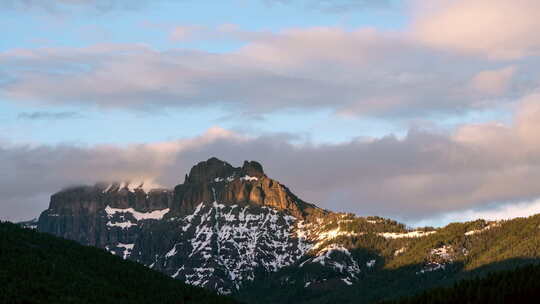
[488, 227]
[139, 216]
[337, 257]
[399, 235]
[232, 177]
[318, 233]
[248, 178]
[145, 186]
[236, 240]
[325, 253]
[152, 215]
[127, 249]
[123, 225]
[314, 235]
[324, 236]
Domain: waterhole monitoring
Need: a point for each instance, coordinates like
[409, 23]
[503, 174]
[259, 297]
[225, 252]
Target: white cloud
[493, 82]
[355, 73]
[499, 29]
[495, 213]
[337, 6]
[56, 6]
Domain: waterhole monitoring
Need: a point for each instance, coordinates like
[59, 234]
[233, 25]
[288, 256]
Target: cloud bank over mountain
[420, 176]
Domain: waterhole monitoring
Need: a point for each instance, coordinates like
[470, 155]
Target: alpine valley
[238, 232]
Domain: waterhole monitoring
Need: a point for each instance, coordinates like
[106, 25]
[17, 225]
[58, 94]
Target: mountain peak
[252, 168]
[209, 170]
[214, 168]
[215, 180]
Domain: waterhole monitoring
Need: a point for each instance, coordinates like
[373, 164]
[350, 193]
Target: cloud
[498, 29]
[422, 71]
[331, 6]
[421, 176]
[336, 6]
[55, 6]
[354, 73]
[222, 32]
[493, 82]
[41, 115]
[495, 213]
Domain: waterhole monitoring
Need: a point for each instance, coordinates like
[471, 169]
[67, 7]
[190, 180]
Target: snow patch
[488, 227]
[248, 178]
[153, 215]
[127, 249]
[123, 225]
[411, 234]
[171, 252]
[400, 251]
[442, 252]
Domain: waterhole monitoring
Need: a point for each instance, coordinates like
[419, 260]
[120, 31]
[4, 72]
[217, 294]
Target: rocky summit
[221, 227]
[237, 231]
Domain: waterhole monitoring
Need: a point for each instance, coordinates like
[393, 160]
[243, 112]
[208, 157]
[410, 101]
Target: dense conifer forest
[514, 286]
[40, 268]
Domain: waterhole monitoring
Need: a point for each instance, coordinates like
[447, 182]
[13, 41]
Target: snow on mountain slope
[223, 227]
[233, 241]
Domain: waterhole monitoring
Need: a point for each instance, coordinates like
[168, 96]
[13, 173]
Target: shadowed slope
[40, 268]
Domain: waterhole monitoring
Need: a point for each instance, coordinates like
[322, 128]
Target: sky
[422, 111]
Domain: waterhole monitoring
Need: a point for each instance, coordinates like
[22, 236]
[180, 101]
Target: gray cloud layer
[418, 177]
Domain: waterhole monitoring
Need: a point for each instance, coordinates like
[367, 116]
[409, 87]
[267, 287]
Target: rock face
[221, 227]
[79, 213]
[215, 180]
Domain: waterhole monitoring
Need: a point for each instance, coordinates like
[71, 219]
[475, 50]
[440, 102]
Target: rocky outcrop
[78, 213]
[215, 180]
[222, 226]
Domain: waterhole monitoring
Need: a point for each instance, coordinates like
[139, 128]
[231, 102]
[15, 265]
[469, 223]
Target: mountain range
[241, 233]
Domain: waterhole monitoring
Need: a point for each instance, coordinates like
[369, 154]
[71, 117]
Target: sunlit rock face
[215, 180]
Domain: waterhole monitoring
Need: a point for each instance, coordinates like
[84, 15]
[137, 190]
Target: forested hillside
[515, 286]
[40, 268]
[406, 266]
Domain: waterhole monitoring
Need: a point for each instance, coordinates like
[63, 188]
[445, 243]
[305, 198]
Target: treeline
[40, 268]
[521, 285]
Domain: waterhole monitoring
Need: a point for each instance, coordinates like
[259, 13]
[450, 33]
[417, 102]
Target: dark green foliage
[40, 268]
[516, 286]
[500, 246]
